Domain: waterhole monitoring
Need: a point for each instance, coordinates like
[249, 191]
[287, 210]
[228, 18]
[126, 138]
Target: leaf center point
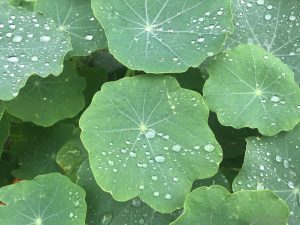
[258, 92]
[143, 128]
[38, 221]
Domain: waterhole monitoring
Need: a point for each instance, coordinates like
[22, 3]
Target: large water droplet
[160, 159]
[268, 17]
[88, 37]
[17, 38]
[209, 148]
[260, 2]
[13, 59]
[286, 164]
[275, 99]
[176, 148]
[45, 39]
[34, 58]
[150, 133]
[278, 158]
[292, 18]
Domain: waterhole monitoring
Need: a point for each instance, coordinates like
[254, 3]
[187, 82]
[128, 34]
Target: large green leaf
[30, 43]
[103, 209]
[4, 132]
[273, 24]
[249, 87]
[37, 147]
[164, 36]
[215, 205]
[76, 18]
[46, 200]
[274, 163]
[45, 101]
[148, 137]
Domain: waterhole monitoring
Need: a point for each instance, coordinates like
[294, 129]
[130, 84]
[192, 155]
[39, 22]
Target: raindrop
[292, 18]
[291, 185]
[200, 40]
[175, 59]
[111, 163]
[168, 196]
[209, 148]
[176, 148]
[132, 154]
[155, 178]
[106, 218]
[136, 202]
[34, 58]
[268, 16]
[278, 158]
[13, 59]
[260, 2]
[88, 37]
[17, 38]
[150, 133]
[71, 215]
[275, 99]
[45, 39]
[262, 167]
[156, 194]
[160, 159]
[285, 164]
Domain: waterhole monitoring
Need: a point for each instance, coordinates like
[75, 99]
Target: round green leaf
[103, 209]
[76, 18]
[30, 43]
[273, 24]
[37, 147]
[164, 36]
[62, 94]
[215, 205]
[148, 137]
[249, 87]
[4, 132]
[274, 163]
[46, 200]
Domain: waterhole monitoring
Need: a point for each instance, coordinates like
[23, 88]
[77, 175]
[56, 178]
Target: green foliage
[102, 119]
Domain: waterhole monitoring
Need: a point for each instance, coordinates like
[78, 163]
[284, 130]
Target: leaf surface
[76, 18]
[45, 101]
[148, 137]
[46, 200]
[273, 24]
[273, 163]
[30, 43]
[240, 208]
[4, 132]
[164, 36]
[249, 87]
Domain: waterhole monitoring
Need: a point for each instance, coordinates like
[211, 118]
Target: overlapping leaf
[46, 200]
[46, 101]
[215, 205]
[30, 43]
[164, 36]
[148, 137]
[273, 24]
[37, 147]
[103, 209]
[274, 163]
[249, 87]
[76, 18]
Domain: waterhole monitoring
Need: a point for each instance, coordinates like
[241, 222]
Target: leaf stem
[130, 73]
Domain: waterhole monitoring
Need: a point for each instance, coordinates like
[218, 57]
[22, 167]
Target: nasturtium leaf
[47, 200]
[249, 87]
[37, 147]
[103, 209]
[71, 155]
[30, 43]
[274, 163]
[273, 24]
[2, 109]
[45, 101]
[217, 179]
[76, 18]
[164, 36]
[148, 137]
[4, 132]
[215, 205]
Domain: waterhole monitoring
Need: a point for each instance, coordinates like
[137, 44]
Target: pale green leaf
[164, 36]
[273, 24]
[216, 206]
[249, 87]
[76, 18]
[45, 101]
[103, 209]
[148, 137]
[50, 199]
[274, 163]
[30, 43]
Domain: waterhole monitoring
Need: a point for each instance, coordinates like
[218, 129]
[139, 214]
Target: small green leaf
[37, 147]
[148, 137]
[249, 87]
[215, 205]
[164, 36]
[76, 18]
[274, 163]
[47, 200]
[103, 209]
[4, 132]
[45, 101]
[273, 24]
[30, 43]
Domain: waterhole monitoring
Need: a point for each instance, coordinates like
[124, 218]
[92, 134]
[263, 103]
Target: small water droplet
[286, 164]
[132, 154]
[89, 37]
[268, 17]
[155, 178]
[17, 38]
[292, 18]
[168, 196]
[34, 58]
[156, 193]
[209, 148]
[13, 59]
[160, 159]
[71, 215]
[291, 185]
[45, 39]
[200, 40]
[260, 2]
[262, 167]
[275, 99]
[176, 148]
[278, 158]
[150, 133]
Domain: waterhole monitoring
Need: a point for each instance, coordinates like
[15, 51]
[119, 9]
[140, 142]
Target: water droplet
[275, 99]
[175, 179]
[260, 2]
[71, 215]
[175, 59]
[209, 148]
[262, 167]
[200, 40]
[17, 38]
[13, 59]
[155, 178]
[34, 58]
[176, 148]
[132, 154]
[286, 164]
[150, 133]
[156, 193]
[160, 159]
[268, 17]
[278, 158]
[106, 218]
[292, 18]
[45, 39]
[168, 196]
[136, 202]
[88, 37]
[291, 185]
[111, 163]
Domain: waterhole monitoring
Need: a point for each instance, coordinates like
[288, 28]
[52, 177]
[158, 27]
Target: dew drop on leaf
[209, 148]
